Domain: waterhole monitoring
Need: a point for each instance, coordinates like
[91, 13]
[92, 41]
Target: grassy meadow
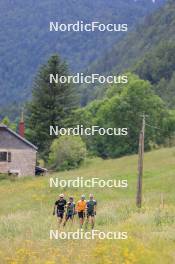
[27, 204]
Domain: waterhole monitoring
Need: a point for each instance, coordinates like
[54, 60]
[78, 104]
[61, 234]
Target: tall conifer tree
[51, 104]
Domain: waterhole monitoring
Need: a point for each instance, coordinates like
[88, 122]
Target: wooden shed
[17, 155]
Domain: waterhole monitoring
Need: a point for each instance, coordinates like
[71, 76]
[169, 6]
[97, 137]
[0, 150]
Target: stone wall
[22, 160]
[23, 155]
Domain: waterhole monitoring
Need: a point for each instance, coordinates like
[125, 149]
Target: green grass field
[26, 215]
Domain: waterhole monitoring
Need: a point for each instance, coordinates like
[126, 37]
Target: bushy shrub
[67, 152]
[123, 107]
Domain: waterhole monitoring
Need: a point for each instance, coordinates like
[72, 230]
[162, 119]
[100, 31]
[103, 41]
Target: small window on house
[3, 156]
[9, 157]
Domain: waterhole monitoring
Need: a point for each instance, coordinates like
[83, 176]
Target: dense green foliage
[158, 66]
[67, 152]
[50, 104]
[26, 42]
[152, 44]
[122, 108]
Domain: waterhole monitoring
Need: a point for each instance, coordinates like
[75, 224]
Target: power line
[154, 127]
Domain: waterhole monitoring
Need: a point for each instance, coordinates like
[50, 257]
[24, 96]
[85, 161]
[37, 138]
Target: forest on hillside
[148, 51]
[26, 42]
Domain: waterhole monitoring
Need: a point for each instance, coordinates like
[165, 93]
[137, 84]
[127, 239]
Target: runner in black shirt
[60, 208]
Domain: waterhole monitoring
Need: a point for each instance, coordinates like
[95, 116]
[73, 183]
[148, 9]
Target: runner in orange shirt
[81, 209]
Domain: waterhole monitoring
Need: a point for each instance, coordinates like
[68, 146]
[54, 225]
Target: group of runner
[86, 210]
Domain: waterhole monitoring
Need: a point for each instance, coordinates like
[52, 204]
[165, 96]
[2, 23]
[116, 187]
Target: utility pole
[140, 164]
